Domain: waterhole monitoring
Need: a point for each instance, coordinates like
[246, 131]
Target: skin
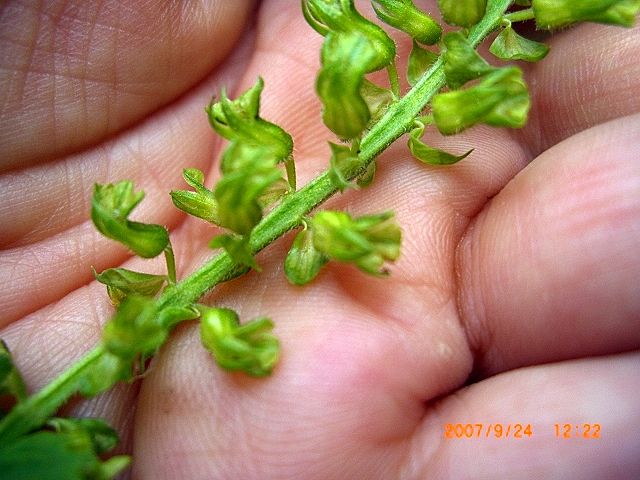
[514, 301]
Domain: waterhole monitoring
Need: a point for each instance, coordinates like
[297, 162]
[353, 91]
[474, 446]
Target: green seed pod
[111, 205]
[550, 14]
[464, 13]
[250, 348]
[405, 16]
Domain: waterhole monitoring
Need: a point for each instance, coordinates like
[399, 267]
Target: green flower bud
[303, 262]
[501, 99]
[508, 45]
[121, 282]
[420, 60]
[405, 16]
[201, 203]
[11, 383]
[461, 62]
[367, 241]
[134, 330]
[430, 155]
[110, 207]
[550, 14]
[102, 437]
[103, 375]
[250, 348]
[464, 13]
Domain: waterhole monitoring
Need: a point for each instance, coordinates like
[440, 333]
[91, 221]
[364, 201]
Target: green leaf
[464, 13]
[551, 14]
[201, 203]
[501, 99]
[461, 62]
[11, 383]
[430, 155]
[135, 329]
[238, 249]
[405, 16]
[56, 456]
[303, 262]
[342, 160]
[121, 282]
[366, 241]
[420, 60]
[508, 45]
[250, 348]
[111, 205]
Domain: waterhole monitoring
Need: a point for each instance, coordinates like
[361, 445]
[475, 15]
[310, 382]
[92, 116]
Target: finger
[76, 72]
[549, 269]
[596, 398]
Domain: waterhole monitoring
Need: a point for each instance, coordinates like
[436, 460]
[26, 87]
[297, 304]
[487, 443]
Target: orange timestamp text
[488, 430]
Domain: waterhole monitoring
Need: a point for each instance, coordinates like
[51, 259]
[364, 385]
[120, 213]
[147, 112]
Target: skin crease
[514, 301]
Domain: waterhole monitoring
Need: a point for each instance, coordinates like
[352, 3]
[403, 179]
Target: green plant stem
[35, 410]
[520, 15]
[288, 215]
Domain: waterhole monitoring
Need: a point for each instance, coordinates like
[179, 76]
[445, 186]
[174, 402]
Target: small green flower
[135, 329]
[111, 205]
[250, 348]
[367, 241]
[239, 121]
[464, 13]
[200, 203]
[405, 16]
[552, 14]
[501, 99]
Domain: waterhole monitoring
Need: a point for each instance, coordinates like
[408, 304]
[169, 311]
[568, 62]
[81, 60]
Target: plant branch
[288, 215]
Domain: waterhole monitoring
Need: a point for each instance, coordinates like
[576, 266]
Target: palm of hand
[540, 276]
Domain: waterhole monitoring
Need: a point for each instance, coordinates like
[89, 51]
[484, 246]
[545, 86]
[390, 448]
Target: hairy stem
[288, 215]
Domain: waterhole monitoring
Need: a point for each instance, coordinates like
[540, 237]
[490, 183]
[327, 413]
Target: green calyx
[551, 14]
[304, 261]
[111, 205]
[405, 16]
[368, 241]
[121, 283]
[509, 45]
[250, 348]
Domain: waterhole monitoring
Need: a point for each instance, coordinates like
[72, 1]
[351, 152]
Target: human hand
[514, 300]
